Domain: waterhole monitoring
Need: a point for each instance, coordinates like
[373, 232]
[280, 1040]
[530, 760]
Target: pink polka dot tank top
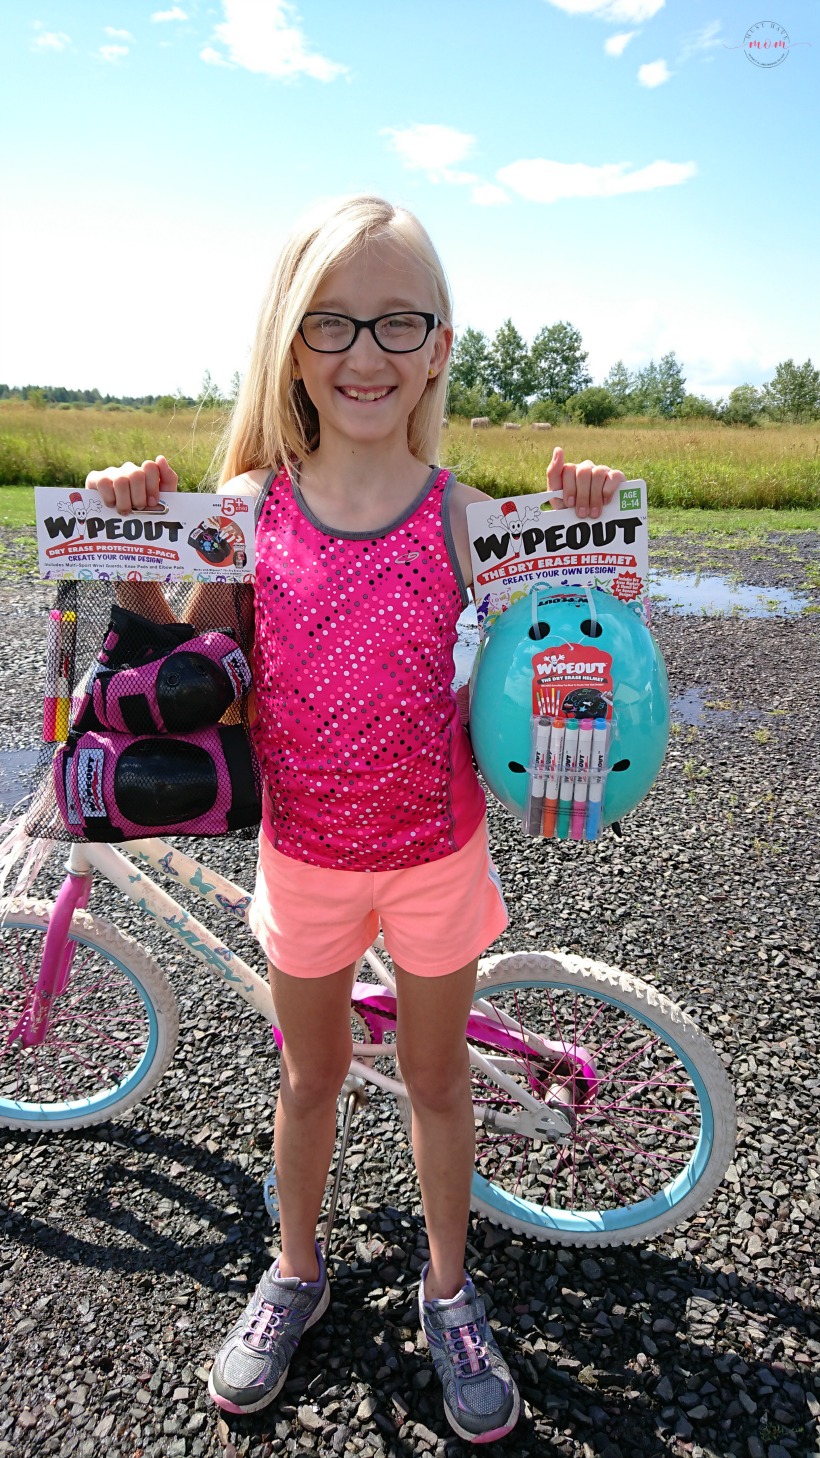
[366, 764]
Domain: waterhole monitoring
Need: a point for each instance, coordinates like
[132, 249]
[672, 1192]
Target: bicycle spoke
[96, 1034]
[630, 1131]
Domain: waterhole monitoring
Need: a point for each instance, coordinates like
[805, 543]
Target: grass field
[703, 467]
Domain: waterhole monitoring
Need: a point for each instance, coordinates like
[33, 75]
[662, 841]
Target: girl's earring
[431, 374]
[296, 375]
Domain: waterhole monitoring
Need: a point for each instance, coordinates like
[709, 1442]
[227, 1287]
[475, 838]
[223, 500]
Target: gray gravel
[127, 1251]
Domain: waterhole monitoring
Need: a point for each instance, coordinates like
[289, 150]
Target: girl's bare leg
[432, 1053]
[314, 1017]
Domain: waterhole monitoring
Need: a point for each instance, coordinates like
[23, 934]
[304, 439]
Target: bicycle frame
[122, 868]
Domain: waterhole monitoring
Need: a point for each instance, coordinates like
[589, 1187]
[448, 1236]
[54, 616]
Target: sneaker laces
[264, 1326]
[466, 1349]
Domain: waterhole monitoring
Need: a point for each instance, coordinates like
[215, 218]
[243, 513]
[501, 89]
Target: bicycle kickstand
[355, 1097]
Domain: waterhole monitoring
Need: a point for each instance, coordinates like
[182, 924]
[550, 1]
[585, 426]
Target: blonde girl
[373, 816]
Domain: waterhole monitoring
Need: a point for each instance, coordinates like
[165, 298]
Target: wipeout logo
[529, 541]
[125, 528]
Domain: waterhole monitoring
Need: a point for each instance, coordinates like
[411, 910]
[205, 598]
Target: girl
[373, 813]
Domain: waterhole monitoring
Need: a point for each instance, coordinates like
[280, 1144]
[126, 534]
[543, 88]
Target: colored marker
[579, 794]
[559, 725]
[52, 676]
[568, 761]
[534, 817]
[597, 771]
[69, 633]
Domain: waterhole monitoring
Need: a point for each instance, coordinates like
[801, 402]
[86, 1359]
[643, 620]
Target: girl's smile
[364, 396]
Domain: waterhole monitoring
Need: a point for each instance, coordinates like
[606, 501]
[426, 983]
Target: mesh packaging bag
[146, 716]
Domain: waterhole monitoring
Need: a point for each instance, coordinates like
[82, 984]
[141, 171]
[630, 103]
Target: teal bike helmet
[567, 629]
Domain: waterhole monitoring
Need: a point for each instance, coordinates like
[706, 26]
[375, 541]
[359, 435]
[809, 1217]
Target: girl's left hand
[585, 487]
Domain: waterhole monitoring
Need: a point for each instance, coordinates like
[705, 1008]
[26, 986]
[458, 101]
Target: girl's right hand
[133, 488]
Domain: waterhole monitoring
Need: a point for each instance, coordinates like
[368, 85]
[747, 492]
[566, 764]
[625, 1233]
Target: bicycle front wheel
[111, 1034]
[644, 1097]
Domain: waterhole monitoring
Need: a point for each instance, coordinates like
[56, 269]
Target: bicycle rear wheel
[111, 1034]
[648, 1106]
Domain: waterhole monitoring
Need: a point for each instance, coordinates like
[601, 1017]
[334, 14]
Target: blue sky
[617, 163]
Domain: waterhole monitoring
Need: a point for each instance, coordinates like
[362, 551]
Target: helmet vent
[539, 629]
[591, 627]
[622, 764]
[517, 769]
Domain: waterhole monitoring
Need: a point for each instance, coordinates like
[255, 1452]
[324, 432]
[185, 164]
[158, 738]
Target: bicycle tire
[533, 984]
[123, 1038]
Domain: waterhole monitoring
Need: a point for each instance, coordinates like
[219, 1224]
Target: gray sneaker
[481, 1399]
[251, 1366]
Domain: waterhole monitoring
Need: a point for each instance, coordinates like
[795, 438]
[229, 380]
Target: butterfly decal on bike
[238, 907]
[166, 865]
[199, 883]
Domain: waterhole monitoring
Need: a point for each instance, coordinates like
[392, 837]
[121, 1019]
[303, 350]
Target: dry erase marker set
[566, 777]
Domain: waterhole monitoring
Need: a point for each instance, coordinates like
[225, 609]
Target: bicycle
[604, 1116]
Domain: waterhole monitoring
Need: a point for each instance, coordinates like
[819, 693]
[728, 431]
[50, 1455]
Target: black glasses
[400, 333]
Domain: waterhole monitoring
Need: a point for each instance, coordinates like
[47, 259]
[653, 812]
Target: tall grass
[707, 466]
[60, 447]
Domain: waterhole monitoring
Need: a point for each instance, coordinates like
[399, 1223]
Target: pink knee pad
[133, 688]
[188, 688]
[113, 787]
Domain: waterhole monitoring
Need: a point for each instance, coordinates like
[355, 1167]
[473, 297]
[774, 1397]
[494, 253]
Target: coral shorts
[311, 921]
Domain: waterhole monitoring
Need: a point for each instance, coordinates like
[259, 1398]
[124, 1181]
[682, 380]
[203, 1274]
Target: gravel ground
[128, 1250]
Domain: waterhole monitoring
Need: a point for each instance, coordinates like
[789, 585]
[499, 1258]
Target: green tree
[210, 396]
[593, 406]
[558, 363]
[621, 386]
[510, 374]
[470, 360]
[697, 407]
[461, 401]
[548, 411]
[744, 406]
[660, 388]
[498, 407]
[236, 383]
[794, 393]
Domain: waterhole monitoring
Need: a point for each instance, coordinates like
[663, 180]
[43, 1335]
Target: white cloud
[631, 11]
[429, 148]
[124, 35]
[112, 54]
[654, 73]
[175, 13]
[212, 57]
[540, 180]
[433, 149]
[617, 44]
[51, 40]
[267, 38]
[707, 39]
[487, 195]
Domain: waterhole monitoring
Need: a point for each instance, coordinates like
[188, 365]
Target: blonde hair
[273, 420]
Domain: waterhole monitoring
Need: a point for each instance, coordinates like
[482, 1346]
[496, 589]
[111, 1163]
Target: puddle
[703, 706]
[718, 597]
[16, 767]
